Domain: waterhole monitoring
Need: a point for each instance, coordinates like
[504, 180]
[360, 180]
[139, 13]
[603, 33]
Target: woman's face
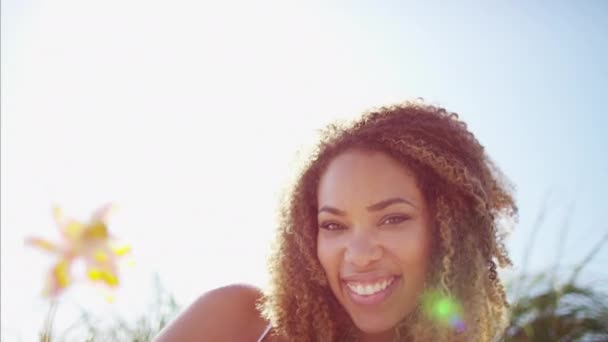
[374, 238]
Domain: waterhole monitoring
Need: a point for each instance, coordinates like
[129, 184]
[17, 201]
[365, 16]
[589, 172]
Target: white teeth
[369, 289]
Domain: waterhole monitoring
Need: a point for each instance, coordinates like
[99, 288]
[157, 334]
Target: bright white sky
[188, 115]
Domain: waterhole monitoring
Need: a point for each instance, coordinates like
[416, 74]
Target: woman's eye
[395, 219]
[331, 226]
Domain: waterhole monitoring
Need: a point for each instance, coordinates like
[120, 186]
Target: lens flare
[443, 310]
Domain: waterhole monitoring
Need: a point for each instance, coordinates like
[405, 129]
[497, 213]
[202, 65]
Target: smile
[371, 293]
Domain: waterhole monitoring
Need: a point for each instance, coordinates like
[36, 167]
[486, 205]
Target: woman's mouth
[370, 293]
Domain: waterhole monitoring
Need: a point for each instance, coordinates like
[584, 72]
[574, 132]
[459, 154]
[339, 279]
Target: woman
[390, 232]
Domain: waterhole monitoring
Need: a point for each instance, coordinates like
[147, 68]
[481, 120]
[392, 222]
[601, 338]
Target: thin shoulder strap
[265, 333]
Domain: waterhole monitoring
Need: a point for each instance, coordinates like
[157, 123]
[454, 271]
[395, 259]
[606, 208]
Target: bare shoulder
[223, 314]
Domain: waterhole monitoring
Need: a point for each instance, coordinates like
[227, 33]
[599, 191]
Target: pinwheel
[90, 242]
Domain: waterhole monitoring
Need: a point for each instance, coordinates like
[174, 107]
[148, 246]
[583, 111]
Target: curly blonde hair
[468, 197]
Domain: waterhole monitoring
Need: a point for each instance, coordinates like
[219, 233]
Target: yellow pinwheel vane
[91, 242]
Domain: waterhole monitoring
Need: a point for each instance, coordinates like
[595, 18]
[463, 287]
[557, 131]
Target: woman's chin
[369, 327]
[379, 333]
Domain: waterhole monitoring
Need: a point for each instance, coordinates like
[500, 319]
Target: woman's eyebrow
[387, 202]
[331, 210]
[374, 207]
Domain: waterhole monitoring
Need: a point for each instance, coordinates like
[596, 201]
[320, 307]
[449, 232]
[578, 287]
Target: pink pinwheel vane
[91, 242]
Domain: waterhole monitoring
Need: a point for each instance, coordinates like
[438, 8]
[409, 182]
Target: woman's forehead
[367, 176]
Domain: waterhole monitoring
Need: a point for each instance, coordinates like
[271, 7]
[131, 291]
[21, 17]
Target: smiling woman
[390, 232]
[371, 253]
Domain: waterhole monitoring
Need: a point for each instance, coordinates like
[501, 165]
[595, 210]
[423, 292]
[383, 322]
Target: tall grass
[547, 307]
[89, 328]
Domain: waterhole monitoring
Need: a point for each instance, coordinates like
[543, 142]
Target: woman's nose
[362, 250]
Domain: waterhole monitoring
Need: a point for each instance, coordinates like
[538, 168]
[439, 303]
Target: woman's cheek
[410, 244]
[324, 254]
